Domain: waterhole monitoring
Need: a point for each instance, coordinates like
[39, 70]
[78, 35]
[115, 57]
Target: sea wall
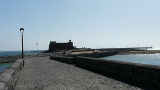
[68, 60]
[9, 76]
[145, 76]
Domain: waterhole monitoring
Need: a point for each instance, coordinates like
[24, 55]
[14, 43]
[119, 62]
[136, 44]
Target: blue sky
[88, 23]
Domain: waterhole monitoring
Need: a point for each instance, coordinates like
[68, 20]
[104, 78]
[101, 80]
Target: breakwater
[94, 54]
[42, 73]
[145, 76]
[9, 76]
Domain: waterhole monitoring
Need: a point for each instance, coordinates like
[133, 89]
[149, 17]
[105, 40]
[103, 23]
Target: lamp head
[21, 30]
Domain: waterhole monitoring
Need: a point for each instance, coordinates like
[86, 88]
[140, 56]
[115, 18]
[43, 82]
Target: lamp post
[37, 48]
[22, 31]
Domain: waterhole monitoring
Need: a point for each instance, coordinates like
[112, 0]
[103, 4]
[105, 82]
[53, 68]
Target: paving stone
[41, 73]
[2, 86]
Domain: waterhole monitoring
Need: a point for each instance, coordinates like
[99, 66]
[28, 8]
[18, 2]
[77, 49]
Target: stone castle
[54, 46]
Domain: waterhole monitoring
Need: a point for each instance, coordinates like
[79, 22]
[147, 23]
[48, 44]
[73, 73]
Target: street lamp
[22, 31]
[37, 48]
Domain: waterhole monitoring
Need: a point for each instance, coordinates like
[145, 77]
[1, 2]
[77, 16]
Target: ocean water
[13, 53]
[4, 66]
[152, 59]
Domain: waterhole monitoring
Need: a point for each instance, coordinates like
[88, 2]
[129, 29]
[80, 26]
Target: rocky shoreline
[6, 59]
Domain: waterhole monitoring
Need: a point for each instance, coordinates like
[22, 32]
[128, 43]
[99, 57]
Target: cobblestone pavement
[41, 73]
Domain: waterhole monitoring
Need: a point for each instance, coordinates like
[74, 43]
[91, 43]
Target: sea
[14, 53]
[151, 59]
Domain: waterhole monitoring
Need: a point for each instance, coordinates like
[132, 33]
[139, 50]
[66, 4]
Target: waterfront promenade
[41, 73]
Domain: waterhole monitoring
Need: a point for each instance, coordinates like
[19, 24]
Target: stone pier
[41, 73]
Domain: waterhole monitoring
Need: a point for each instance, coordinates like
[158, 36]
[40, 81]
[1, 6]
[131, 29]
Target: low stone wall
[145, 76]
[9, 76]
[69, 60]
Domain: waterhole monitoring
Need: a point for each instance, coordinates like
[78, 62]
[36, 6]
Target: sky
[88, 23]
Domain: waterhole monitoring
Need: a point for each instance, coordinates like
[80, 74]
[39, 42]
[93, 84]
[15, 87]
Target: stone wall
[145, 76]
[9, 76]
[68, 60]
